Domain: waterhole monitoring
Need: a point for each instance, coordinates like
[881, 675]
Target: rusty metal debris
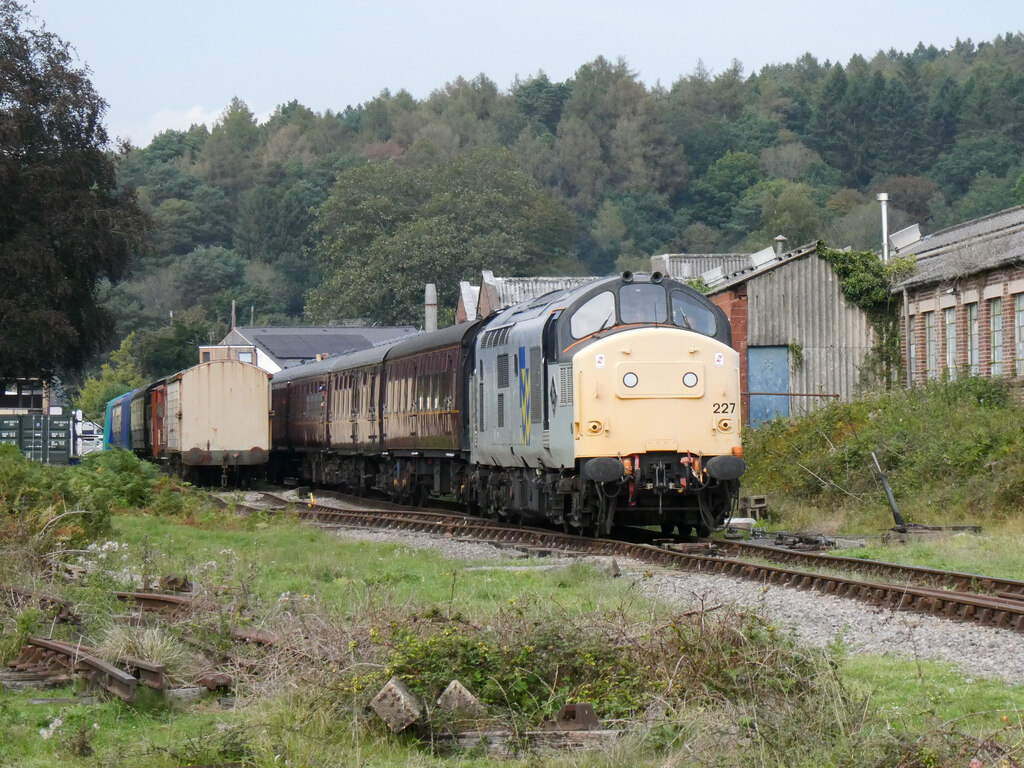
[42, 656]
[61, 610]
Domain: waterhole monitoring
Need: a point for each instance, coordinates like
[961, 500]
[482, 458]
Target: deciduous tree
[64, 222]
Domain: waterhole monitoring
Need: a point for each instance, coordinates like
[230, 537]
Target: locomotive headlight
[690, 379]
[630, 380]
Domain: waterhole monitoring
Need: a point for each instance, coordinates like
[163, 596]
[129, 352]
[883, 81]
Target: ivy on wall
[867, 283]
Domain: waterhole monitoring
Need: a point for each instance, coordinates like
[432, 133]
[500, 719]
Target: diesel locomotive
[617, 402]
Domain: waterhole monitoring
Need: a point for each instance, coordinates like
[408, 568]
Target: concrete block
[396, 706]
[456, 698]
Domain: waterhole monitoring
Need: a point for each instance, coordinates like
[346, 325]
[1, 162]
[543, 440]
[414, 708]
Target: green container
[42, 437]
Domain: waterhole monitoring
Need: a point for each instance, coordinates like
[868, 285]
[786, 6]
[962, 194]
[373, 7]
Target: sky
[168, 65]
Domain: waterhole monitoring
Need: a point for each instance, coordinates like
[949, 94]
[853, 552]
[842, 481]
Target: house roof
[975, 246]
[686, 266]
[292, 345]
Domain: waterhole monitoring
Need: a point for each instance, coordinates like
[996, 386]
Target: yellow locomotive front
[664, 404]
[656, 428]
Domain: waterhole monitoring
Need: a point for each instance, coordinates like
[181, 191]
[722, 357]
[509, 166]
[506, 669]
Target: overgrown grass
[953, 453]
[719, 687]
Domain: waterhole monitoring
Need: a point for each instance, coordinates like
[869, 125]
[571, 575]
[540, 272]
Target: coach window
[642, 303]
[595, 315]
[687, 312]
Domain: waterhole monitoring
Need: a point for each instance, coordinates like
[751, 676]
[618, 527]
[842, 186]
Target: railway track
[983, 600]
[48, 662]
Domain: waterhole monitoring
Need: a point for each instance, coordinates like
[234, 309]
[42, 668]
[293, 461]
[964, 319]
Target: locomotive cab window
[595, 315]
[687, 312]
[642, 303]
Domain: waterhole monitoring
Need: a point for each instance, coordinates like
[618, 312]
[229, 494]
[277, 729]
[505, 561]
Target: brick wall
[734, 304]
[979, 290]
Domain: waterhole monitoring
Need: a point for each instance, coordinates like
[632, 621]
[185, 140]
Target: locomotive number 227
[724, 408]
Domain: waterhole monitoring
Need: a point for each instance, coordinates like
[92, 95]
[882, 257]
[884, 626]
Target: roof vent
[905, 237]
[713, 277]
[762, 257]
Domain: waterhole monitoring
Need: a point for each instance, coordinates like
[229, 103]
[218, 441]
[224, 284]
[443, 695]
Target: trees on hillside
[386, 230]
[715, 162]
[64, 223]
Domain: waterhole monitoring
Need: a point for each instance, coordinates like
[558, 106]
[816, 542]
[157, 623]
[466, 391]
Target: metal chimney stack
[883, 198]
[430, 308]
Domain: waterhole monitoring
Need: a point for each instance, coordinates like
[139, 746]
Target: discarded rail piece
[46, 656]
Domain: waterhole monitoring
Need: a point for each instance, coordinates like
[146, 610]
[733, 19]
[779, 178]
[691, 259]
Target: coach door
[768, 383]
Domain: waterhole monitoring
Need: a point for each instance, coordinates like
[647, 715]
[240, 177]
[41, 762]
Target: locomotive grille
[480, 406]
[536, 386]
[501, 410]
[565, 385]
[503, 371]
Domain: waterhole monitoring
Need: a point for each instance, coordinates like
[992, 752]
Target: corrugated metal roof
[748, 270]
[976, 246]
[686, 266]
[514, 290]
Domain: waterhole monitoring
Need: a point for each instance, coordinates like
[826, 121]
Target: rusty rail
[915, 574]
[107, 676]
[61, 610]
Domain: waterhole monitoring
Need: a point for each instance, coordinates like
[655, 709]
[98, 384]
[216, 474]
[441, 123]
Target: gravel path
[815, 619]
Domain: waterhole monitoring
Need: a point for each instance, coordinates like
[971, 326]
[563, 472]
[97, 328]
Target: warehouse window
[972, 338]
[951, 342]
[995, 325]
[1018, 311]
[930, 346]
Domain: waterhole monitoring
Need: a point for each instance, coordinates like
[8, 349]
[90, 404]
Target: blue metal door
[768, 372]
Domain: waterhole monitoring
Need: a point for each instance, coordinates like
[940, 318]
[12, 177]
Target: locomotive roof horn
[627, 276]
[656, 277]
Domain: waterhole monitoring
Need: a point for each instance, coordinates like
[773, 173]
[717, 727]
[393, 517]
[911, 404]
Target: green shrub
[528, 668]
[954, 448]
